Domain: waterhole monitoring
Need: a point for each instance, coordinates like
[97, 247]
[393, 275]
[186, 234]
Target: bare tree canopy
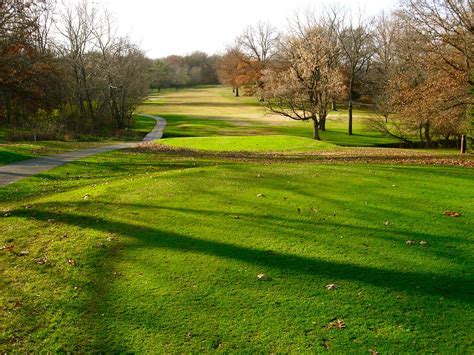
[301, 86]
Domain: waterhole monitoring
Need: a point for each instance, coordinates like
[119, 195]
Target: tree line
[197, 68]
[412, 66]
[65, 72]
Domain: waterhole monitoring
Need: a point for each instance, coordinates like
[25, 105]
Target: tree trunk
[463, 144]
[350, 117]
[333, 104]
[322, 124]
[236, 91]
[427, 135]
[351, 87]
[322, 120]
[316, 130]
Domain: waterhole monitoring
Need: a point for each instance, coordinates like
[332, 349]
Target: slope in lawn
[250, 144]
[136, 252]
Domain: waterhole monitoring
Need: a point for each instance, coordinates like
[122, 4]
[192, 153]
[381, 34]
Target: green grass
[213, 111]
[250, 143]
[15, 151]
[11, 152]
[158, 251]
[142, 125]
[166, 250]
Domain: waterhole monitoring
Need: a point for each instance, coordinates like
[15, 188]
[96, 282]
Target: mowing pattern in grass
[144, 252]
[213, 111]
[250, 143]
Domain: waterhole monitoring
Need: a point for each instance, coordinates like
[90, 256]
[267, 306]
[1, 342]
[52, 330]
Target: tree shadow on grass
[7, 157]
[95, 335]
[454, 287]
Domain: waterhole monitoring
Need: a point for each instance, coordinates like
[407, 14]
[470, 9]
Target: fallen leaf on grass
[326, 343]
[386, 223]
[261, 195]
[331, 286]
[18, 304]
[22, 253]
[337, 324]
[423, 242]
[263, 277]
[410, 242]
[373, 352]
[40, 261]
[9, 247]
[451, 214]
[86, 197]
[71, 262]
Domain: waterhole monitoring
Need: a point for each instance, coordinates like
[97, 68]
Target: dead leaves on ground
[337, 324]
[71, 262]
[413, 242]
[349, 155]
[451, 214]
[9, 247]
[40, 261]
[263, 277]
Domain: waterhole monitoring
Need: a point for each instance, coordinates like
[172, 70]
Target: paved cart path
[19, 170]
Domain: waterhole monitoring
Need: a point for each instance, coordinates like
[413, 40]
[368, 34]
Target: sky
[165, 27]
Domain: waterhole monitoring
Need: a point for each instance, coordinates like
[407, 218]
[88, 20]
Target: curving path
[19, 170]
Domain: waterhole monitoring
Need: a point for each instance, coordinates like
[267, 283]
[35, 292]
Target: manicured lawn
[155, 252]
[11, 152]
[142, 125]
[15, 151]
[158, 250]
[250, 143]
[215, 112]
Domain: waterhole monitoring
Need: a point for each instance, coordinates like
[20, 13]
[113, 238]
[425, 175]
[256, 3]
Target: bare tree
[76, 26]
[259, 44]
[301, 86]
[355, 40]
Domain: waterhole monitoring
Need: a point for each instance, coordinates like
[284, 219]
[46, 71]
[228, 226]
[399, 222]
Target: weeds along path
[19, 170]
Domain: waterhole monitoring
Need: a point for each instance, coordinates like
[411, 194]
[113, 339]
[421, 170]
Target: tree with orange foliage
[233, 69]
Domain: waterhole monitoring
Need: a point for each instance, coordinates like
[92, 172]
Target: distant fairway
[214, 111]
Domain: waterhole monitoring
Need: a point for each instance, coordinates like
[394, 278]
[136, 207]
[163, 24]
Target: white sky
[164, 27]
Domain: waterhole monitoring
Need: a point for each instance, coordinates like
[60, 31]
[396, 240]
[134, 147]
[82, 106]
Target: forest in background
[65, 73]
